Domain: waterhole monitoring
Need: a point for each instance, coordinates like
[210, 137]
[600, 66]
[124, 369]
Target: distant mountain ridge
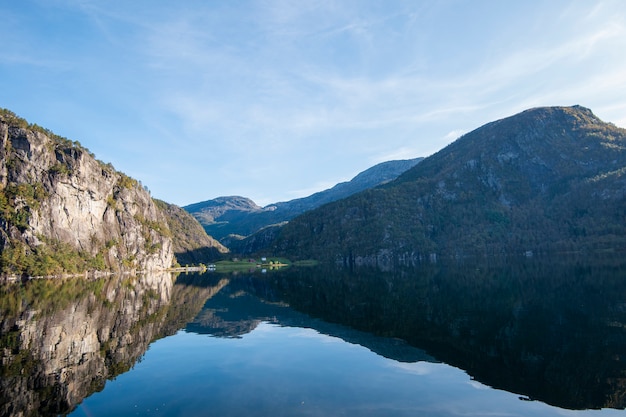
[210, 211]
[237, 215]
[547, 179]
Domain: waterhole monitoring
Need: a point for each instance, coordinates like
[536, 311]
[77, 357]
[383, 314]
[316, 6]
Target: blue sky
[275, 100]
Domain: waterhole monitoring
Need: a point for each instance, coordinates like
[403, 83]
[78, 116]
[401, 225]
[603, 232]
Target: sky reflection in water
[284, 371]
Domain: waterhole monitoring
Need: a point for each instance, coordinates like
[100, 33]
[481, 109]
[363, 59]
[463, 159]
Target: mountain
[547, 179]
[63, 211]
[211, 211]
[240, 216]
[191, 243]
[377, 175]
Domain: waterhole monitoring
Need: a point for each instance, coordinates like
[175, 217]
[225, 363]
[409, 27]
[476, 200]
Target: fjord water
[506, 337]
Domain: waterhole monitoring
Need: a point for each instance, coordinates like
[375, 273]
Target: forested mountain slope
[547, 179]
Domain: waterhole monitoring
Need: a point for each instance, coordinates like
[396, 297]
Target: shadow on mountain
[202, 255]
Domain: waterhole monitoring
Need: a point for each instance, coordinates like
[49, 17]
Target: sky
[275, 99]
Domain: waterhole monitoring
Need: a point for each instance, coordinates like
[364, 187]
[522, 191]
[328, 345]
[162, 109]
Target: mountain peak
[573, 117]
[531, 181]
[548, 138]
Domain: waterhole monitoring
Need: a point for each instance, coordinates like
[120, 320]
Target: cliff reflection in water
[61, 340]
[550, 330]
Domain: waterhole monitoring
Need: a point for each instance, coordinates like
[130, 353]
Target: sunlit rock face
[54, 190]
[74, 336]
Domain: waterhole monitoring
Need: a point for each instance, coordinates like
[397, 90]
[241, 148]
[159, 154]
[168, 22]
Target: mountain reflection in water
[247, 302]
[549, 330]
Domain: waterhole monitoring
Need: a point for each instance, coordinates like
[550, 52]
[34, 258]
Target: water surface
[533, 337]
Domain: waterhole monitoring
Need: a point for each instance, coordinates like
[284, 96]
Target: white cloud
[454, 135]
[419, 368]
[397, 154]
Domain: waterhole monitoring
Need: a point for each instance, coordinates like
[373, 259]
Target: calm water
[535, 337]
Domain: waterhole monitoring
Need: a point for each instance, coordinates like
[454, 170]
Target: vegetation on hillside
[54, 258]
[546, 179]
[15, 121]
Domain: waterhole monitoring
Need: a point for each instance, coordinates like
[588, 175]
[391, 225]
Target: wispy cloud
[342, 84]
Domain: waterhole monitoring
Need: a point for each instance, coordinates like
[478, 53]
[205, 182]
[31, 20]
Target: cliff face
[61, 210]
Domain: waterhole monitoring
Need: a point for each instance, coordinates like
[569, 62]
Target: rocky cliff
[61, 210]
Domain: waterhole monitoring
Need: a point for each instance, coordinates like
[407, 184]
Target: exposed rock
[54, 192]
